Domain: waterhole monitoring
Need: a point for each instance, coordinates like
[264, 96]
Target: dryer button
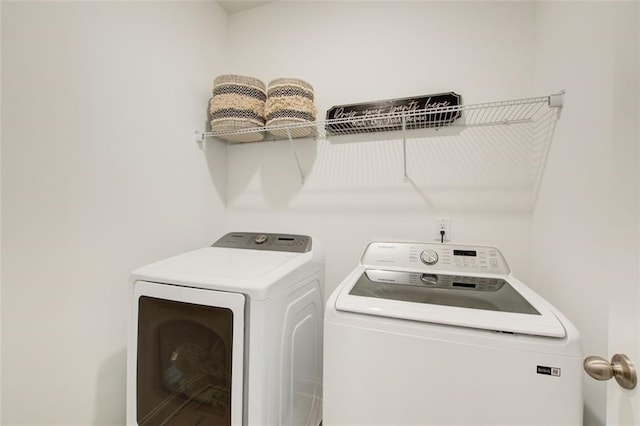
[260, 239]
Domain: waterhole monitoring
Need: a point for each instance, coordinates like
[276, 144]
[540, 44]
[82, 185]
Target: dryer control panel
[442, 257]
[264, 241]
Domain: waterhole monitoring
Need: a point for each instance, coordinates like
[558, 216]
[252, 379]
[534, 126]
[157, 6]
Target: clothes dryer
[435, 334]
[229, 335]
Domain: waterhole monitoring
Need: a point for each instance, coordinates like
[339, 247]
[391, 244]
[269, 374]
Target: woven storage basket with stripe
[290, 103]
[238, 105]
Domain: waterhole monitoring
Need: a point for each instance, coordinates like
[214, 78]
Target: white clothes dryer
[435, 334]
[229, 335]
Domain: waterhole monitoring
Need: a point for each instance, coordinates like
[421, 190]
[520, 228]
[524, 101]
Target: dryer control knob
[260, 239]
[429, 257]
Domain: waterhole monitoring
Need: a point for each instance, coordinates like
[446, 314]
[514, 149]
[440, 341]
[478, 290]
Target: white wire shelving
[539, 114]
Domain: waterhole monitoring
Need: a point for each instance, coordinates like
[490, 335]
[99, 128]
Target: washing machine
[229, 334]
[438, 334]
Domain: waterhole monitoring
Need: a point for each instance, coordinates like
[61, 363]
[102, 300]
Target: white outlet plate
[443, 224]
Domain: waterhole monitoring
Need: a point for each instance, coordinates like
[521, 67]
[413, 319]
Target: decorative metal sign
[381, 116]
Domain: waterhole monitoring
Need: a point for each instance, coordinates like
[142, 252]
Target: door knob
[620, 367]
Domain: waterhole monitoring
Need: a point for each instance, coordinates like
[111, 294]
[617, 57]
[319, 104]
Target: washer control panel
[264, 241]
[442, 257]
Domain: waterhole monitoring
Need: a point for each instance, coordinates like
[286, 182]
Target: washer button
[429, 257]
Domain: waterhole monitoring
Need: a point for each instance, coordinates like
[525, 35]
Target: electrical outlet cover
[443, 224]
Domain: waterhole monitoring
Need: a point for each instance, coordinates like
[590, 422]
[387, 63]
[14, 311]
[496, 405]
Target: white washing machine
[229, 335]
[434, 334]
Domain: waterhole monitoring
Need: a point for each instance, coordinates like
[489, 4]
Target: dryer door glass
[184, 363]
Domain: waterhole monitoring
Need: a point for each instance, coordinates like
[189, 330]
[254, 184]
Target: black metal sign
[380, 116]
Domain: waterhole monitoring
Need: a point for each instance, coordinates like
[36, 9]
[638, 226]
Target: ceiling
[234, 6]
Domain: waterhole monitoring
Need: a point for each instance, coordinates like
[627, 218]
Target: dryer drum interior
[184, 363]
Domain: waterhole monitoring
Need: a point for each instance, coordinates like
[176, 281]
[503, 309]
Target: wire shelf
[485, 114]
[539, 116]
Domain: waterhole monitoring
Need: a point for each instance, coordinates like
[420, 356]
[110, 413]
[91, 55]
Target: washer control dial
[260, 239]
[429, 257]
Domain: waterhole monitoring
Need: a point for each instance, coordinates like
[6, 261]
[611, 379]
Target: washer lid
[487, 302]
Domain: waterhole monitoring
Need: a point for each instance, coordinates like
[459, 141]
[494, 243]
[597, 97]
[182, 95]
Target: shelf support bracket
[405, 178]
[198, 136]
[556, 100]
[295, 154]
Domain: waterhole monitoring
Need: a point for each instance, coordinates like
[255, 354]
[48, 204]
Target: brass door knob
[620, 367]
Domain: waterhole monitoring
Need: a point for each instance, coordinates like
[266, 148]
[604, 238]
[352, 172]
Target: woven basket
[290, 103]
[238, 103]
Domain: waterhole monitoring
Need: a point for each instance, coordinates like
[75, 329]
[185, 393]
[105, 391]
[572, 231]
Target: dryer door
[185, 363]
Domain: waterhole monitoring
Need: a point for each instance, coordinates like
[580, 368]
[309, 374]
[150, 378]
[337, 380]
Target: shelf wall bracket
[198, 136]
[295, 154]
[556, 100]
[405, 178]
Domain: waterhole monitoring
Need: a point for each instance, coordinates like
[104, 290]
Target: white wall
[585, 226]
[0, 210]
[366, 51]
[100, 175]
